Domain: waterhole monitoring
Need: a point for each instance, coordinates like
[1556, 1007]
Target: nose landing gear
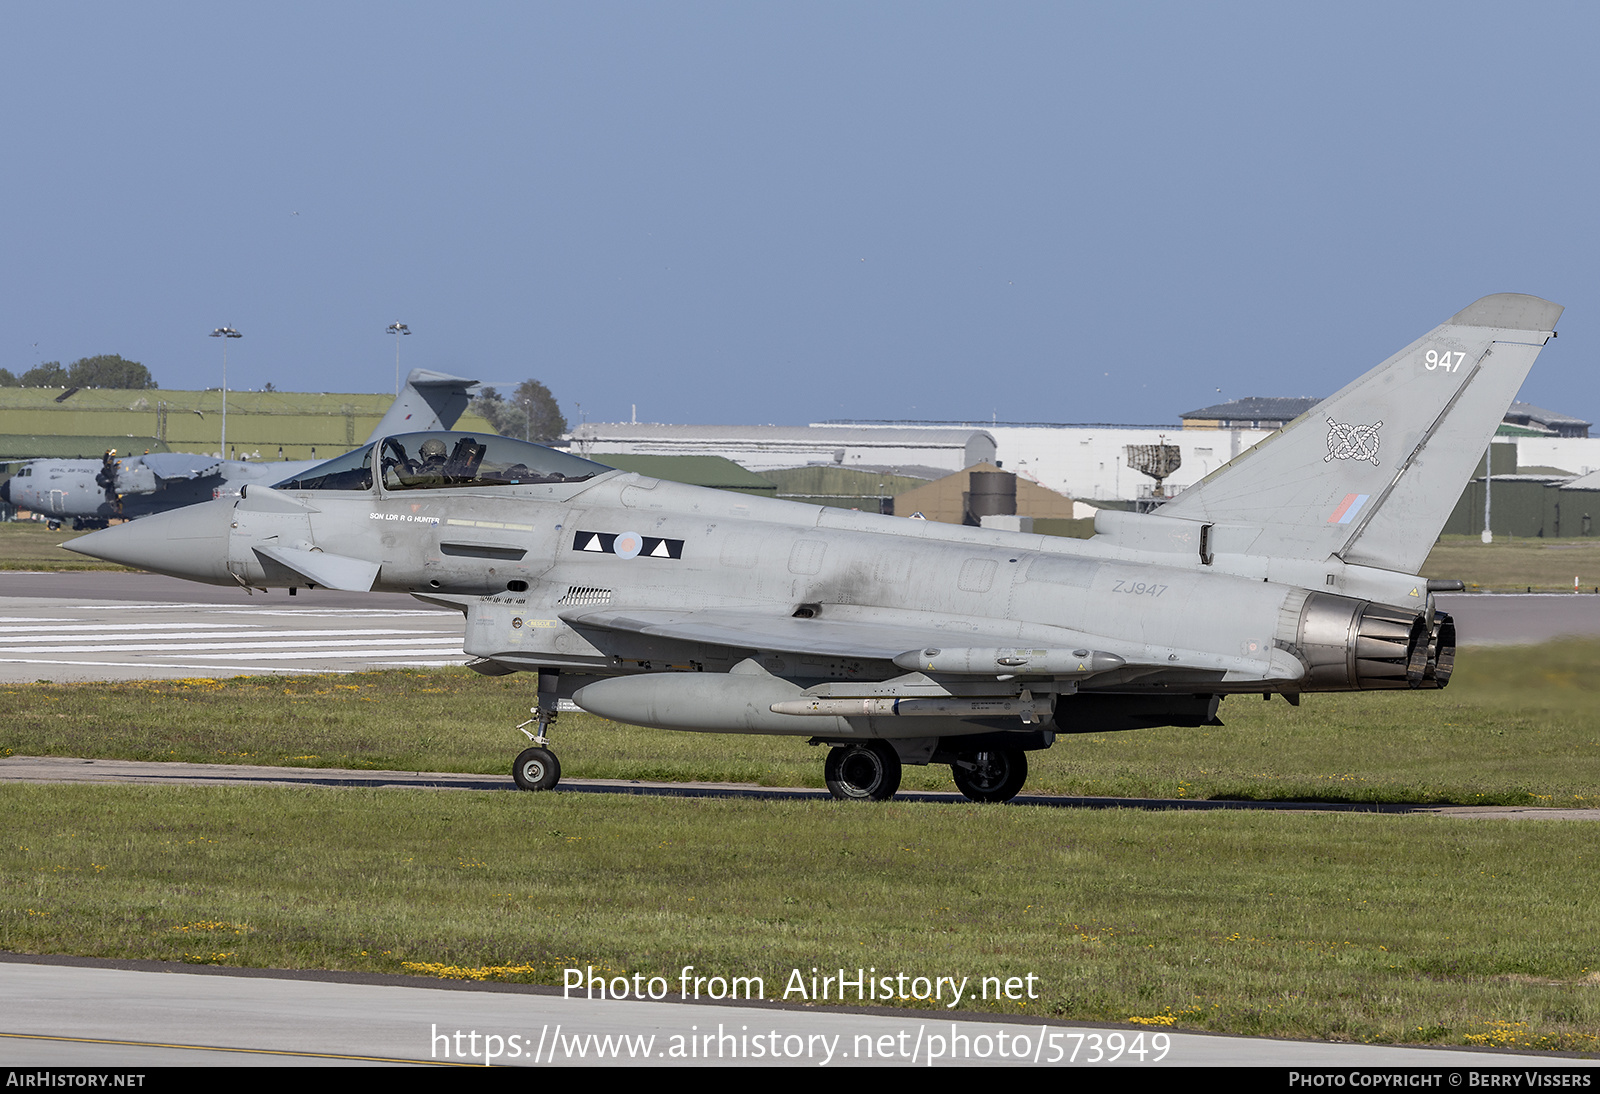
[537, 768]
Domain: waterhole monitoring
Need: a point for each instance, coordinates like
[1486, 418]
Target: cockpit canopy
[445, 458]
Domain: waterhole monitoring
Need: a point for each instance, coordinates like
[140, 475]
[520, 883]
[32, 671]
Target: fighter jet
[91, 493]
[1292, 569]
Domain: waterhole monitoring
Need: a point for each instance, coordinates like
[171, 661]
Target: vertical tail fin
[1371, 473]
[430, 400]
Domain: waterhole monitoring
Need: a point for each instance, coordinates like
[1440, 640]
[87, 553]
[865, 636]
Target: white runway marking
[64, 626]
[140, 639]
[143, 670]
[125, 606]
[348, 613]
[254, 649]
[253, 642]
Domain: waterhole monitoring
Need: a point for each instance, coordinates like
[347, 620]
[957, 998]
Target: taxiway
[146, 1014]
[113, 626]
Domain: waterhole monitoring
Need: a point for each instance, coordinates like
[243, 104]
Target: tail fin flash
[1371, 473]
[430, 400]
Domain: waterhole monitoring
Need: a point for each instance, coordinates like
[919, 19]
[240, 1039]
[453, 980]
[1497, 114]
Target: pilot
[433, 454]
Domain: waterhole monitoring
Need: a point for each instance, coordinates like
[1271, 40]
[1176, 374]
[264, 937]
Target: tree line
[104, 370]
[530, 412]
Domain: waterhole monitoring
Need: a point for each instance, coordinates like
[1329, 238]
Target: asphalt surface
[1504, 619]
[115, 626]
[119, 585]
[72, 769]
[70, 1013]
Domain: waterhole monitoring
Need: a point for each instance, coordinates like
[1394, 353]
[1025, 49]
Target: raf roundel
[628, 545]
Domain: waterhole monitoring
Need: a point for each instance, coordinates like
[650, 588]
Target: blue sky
[785, 212]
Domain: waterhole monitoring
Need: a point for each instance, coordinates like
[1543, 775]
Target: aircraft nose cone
[191, 542]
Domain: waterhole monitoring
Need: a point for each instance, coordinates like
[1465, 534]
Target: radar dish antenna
[1158, 461]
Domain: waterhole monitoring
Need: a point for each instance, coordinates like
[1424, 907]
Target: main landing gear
[537, 768]
[870, 771]
[864, 772]
[993, 776]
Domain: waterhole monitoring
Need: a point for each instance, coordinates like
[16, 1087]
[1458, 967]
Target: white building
[1580, 455]
[923, 452]
[1090, 462]
[1084, 462]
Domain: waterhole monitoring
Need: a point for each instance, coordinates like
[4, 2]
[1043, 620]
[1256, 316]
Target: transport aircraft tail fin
[430, 400]
[1371, 473]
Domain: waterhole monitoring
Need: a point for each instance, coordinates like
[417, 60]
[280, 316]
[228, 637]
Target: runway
[76, 769]
[113, 626]
[1509, 619]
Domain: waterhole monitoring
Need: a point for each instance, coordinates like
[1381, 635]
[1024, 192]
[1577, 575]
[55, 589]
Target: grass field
[1386, 928]
[1345, 927]
[29, 545]
[1517, 725]
[1516, 565]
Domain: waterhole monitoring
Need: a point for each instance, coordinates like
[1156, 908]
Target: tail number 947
[1448, 360]
[1139, 588]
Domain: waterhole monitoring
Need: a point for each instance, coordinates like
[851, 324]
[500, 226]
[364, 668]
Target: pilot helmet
[432, 449]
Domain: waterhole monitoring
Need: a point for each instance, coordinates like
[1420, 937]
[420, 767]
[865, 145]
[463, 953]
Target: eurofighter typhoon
[1292, 569]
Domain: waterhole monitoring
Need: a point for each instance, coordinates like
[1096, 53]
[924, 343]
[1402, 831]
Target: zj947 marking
[1139, 588]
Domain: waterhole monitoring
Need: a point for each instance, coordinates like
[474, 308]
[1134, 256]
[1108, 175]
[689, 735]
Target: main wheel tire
[869, 771]
[992, 776]
[536, 769]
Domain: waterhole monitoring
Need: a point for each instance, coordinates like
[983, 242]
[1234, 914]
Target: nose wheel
[536, 769]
